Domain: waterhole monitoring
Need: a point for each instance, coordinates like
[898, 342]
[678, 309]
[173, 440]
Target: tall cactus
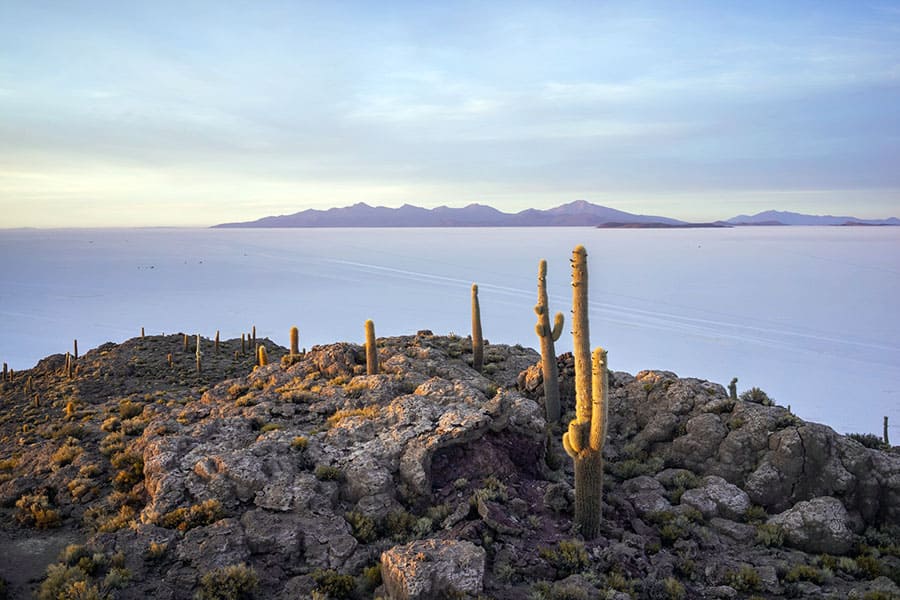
[295, 341]
[371, 350]
[216, 347]
[199, 354]
[477, 339]
[732, 388]
[587, 432]
[548, 352]
[75, 344]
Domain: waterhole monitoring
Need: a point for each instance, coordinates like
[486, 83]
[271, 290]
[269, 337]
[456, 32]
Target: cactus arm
[600, 381]
[558, 322]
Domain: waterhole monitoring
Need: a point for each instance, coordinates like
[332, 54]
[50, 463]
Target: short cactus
[261, 357]
[295, 341]
[732, 389]
[169, 359]
[371, 350]
[548, 352]
[587, 432]
[477, 339]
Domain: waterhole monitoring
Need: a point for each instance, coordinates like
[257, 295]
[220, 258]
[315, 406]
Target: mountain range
[579, 213]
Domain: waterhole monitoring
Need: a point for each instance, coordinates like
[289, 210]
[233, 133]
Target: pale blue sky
[194, 113]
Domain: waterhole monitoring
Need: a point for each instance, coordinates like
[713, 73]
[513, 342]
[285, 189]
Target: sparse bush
[745, 580]
[113, 443]
[769, 535]
[131, 469]
[271, 427]
[118, 521]
[66, 453]
[869, 440]
[234, 582]
[634, 467]
[328, 473]
[369, 412]
[371, 577]
[156, 550]
[756, 396]
[299, 443]
[333, 583]
[568, 557]
[117, 578]
[129, 409]
[198, 515]
[364, 528]
[35, 510]
[804, 573]
[399, 524]
[61, 582]
[492, 489]
[868, 565]
[755, 515]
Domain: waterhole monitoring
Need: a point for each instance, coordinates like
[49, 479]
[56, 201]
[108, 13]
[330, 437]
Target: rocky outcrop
[432, 568]
[308, 477]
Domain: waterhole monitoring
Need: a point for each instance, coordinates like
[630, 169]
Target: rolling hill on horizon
[579, 213]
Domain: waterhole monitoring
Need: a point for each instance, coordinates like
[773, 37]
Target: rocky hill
[134, 477]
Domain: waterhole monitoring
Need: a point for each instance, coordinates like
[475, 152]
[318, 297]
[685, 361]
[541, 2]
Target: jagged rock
[741, 532]
[432, 569]
[495, 517]
[717, 498]
[817, 525]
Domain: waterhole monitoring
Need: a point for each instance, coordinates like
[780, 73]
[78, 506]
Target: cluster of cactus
[371, 349]
[477, 339]
[547, 336]
[586, 435]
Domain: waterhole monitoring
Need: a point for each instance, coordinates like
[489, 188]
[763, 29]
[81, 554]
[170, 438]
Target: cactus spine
[371, 350]
[586, 435]
[548, 352]
[477, 339]
[199, 370]
[295, 341]
[261, 357]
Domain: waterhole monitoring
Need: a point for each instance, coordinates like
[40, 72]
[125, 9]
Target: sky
[194, 113]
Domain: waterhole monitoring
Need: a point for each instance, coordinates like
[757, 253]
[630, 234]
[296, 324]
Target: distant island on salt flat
[579, 213]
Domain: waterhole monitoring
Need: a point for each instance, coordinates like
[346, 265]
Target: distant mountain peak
[782, 217]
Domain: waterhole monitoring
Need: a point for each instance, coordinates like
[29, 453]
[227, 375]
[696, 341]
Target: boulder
[717, 498]
[820, 525]
[432, 569]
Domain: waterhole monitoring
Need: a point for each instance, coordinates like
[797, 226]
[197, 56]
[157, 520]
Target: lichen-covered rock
[820, 525]
[646, 494]
[427, 569]
[717, 498]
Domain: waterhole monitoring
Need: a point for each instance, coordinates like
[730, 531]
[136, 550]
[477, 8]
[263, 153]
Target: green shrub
[333, 583]
[804, 573]
[769, 535]
[328, 473]
[745, 580]
[371, 577]
[131, 470]
[568, 557]
[299, 443]
[62, 582]
[364, 528]
[869, 565]
[234, 582]
[757, 396]
[755, 515]
[399, 524]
